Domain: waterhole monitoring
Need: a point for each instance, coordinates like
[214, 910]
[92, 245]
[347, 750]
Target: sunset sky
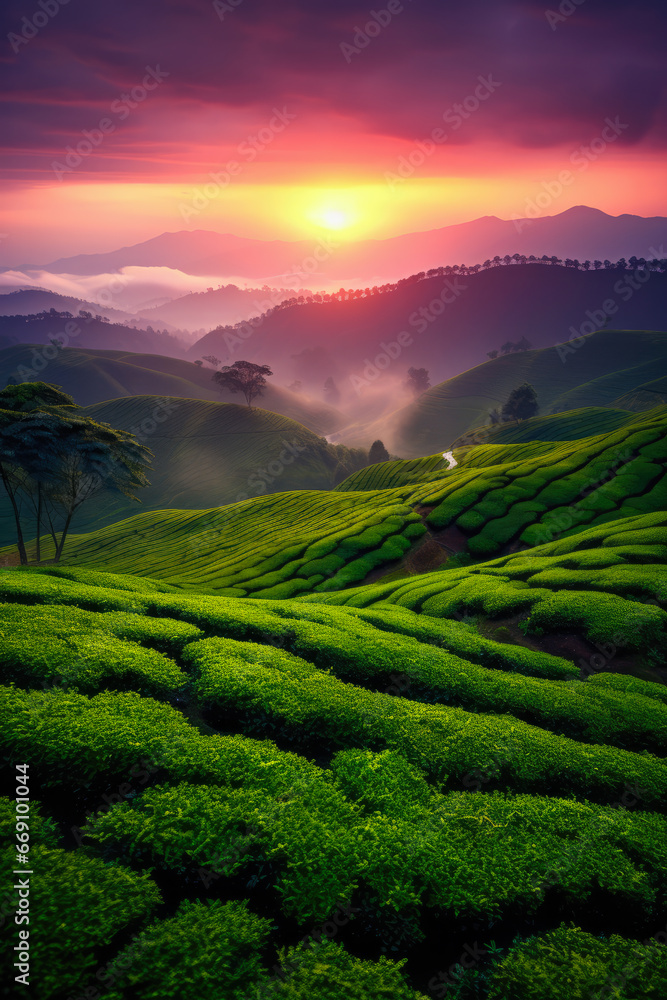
[284, 121]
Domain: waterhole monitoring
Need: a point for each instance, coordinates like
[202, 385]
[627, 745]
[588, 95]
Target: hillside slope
[609, 368]
[450, 322]
[94, 376]
[206, 454]
[497, 500]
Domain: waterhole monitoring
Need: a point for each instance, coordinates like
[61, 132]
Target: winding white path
[449, 456]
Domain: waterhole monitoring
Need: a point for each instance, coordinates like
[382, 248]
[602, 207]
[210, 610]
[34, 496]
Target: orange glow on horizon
[46, 221]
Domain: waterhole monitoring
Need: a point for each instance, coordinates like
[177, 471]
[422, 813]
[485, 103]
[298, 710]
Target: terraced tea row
[274, 547]
[271, 665]
[83, 906]
[498, 498]
[509, 494]
[606, 583]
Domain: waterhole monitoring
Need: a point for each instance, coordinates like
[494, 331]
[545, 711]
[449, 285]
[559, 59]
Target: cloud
[225, 76]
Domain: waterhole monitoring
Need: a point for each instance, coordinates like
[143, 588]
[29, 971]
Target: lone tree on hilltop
[212, 360]
[418, 380]
[245, 377]
[377, 453]
[492, 354]
[521, 403]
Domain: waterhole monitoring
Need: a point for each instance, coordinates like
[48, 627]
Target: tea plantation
[272, 755]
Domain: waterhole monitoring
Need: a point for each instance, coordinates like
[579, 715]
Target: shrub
[328, 972]
[304, 834]
[80, 649]
[569, 964]
[209, 950]
[306, 703]
[77, 905]
[43, 830]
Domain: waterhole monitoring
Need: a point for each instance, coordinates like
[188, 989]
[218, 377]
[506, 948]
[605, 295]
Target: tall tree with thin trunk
[53, 459]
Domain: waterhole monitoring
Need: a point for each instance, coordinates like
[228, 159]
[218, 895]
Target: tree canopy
[521, 403]
[418, 380]
[53, 459]
[377, 453]
[245, 377]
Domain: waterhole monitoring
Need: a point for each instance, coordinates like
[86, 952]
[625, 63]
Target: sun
[333, 215]
[334, 218]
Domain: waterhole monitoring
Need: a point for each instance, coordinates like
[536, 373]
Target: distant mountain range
[228, 304]
[580, 232]
[29, 301]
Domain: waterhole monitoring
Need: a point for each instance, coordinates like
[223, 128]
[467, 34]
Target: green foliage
[328, 972]
[570, 964]
[256, 546]
[304, 833]
[272, 689]
[521, 403]
[42, 830]
[77, 905]
[86, 651]
[208, 950]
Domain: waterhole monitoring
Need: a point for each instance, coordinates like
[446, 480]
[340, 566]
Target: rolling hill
[29, 301]
[92, 376]
[285, 713]
[498, 499]
[90, 332]
[215, 306]
[207, 454]
[609, 368]
[448, 324]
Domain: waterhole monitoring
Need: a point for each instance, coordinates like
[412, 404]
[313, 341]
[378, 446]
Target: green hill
[498, 499]
[610, 368]
[95, 376]
[276, 545]
[567, 426]
[207, 454]
[406, 760]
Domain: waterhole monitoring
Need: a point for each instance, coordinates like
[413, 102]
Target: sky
[285, 121]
